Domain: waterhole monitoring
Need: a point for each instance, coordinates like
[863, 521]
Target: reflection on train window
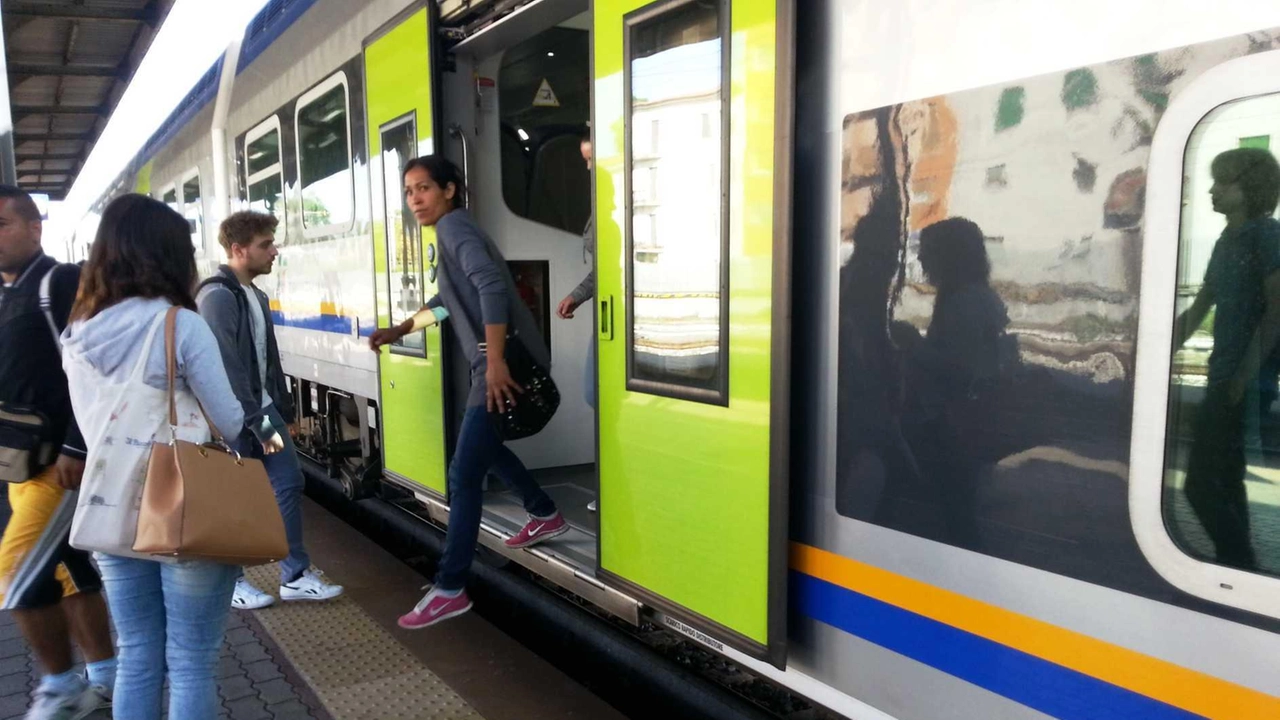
[170, 198]
[677, 233]
[324, 158]
[193, 210]
[403, 235]
[1222, 460]
[262, 164]
[544, 101]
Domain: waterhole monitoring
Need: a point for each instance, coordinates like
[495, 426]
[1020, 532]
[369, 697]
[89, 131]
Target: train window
[170, 197]
[1222, 456]
[1204, 468]
[324, 158]
[193, 209]
[403, 234]
[677, 237]
[263, 169]
[544, 100]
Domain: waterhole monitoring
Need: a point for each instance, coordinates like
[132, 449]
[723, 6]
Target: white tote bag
[119, 421]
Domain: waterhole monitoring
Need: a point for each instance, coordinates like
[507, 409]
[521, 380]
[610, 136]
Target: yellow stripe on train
[1165, 681]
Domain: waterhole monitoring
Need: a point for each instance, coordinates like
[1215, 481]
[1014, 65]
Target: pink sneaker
[537, 531]
[433, 608]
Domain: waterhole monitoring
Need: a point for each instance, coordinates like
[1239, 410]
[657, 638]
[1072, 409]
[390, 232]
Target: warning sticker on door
[546, 97]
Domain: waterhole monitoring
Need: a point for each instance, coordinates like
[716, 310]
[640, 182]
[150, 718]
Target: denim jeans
[288, 484]
[169, 616]
[479, 450]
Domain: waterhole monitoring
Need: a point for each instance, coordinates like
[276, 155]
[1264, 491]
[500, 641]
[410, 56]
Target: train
[784, 474]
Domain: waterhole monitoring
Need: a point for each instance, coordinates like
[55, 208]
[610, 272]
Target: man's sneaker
[103, 695]
[248, 597]
[435, 607]
[309, 587]
[538, 530]
[76, 706]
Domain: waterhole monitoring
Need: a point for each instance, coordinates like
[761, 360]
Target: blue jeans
[288, 484]
[479, 450]
[168, 616]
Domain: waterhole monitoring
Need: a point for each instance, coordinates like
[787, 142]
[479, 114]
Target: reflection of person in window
[959, 354]
[1243, 282]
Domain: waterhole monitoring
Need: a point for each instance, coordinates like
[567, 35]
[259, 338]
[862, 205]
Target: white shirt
[259, 324]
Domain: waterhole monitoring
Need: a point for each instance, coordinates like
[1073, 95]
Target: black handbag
[534, 407]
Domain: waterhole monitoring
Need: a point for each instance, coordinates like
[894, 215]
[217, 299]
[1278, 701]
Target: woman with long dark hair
[169, 615]
[964, 353]
[477, 293]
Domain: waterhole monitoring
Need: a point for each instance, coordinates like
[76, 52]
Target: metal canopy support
[58, 109]
[8, 165]
[81, 12]
[53, 70]
[26, 157]
[26, 136]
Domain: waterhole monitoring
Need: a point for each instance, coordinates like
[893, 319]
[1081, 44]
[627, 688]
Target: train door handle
[606, 318]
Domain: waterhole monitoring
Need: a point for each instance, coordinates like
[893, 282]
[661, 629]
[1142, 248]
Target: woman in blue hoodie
[168, 615]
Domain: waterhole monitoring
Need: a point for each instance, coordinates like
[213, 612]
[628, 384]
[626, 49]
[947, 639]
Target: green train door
[692, 118]
[401, 124]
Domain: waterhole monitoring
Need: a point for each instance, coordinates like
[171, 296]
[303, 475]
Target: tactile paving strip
[356, 669]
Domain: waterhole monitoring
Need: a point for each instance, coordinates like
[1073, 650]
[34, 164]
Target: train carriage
[786, 469]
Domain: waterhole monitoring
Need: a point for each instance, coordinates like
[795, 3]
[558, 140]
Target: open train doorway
[517, 103]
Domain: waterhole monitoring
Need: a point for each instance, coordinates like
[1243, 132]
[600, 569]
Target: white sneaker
[594, 505]
[309, 587]
[76, 706]
[103, 695]
[248, 597]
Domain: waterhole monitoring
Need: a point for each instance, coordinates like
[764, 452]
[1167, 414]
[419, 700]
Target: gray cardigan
[229, 320]
[477, 289]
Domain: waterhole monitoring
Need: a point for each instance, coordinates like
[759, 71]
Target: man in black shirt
[52, 589]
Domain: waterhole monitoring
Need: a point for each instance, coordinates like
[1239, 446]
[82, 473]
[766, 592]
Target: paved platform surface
[347, 660]
[254, 681]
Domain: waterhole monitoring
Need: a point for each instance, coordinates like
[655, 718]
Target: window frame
[338, 79]
[719, 395]
[193, 173]
[258, 131]
[409, 119]
[1233, 80]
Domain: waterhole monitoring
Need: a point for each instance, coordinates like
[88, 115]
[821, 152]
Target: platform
[347, 659]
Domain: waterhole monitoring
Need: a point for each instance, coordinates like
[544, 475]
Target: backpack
[23, 445]
[46, 305]
[234, 286]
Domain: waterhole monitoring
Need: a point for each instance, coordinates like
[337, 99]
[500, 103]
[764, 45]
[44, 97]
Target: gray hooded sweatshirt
[111, 341]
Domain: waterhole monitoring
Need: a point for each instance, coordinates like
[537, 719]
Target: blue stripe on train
[1047, 687]
[323, 323]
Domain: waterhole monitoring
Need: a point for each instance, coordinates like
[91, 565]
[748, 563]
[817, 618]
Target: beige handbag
[205, 502]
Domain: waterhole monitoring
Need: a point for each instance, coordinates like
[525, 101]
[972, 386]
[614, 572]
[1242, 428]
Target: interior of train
[524, 106]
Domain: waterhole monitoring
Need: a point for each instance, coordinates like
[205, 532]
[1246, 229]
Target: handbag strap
[171, 367]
